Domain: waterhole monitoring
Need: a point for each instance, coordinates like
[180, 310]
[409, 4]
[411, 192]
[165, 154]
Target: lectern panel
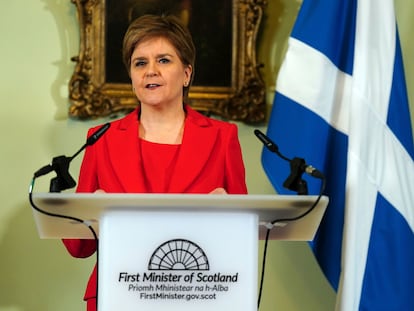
[178, 261]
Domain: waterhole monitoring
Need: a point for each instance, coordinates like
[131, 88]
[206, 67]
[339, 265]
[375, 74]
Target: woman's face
[157, 73]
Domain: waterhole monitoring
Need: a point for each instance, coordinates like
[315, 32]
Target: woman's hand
[219, 191]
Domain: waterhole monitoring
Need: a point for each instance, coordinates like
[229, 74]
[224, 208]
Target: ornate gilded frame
[244, 100]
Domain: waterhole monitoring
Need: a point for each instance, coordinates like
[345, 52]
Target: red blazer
[210, 157]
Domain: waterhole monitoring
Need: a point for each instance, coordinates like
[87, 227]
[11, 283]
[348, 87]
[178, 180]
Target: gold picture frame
[243, 99]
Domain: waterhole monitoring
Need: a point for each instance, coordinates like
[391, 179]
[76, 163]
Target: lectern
[178, 251]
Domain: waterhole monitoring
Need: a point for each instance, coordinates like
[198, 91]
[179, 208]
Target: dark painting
[210, 23]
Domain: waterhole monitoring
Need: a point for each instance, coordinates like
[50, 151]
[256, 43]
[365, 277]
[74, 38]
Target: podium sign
[178, 261]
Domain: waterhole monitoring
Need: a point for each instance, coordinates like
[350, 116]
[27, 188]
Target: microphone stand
[295, 182]
[63, 179]
[298, 166]
[60, 165]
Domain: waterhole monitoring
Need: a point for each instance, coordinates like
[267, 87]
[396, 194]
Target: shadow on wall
[38, 274]
[64, 14]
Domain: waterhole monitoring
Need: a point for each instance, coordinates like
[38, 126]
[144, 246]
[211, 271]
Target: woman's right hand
[218, 191]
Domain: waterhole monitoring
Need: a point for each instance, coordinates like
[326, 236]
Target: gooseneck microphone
[60, 164]
[298, 166]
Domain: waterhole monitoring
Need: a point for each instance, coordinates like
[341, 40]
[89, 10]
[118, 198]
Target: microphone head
[99, 132]
[266, 141]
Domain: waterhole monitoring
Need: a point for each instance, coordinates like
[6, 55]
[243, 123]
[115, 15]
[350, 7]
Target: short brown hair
[153, 26]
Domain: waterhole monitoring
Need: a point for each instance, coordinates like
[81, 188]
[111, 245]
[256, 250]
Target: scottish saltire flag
[341, 104]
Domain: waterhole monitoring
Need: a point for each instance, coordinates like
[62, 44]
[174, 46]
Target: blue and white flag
[341, 104]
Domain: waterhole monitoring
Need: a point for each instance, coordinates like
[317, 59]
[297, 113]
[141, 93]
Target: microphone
[269, 144]
[266, 141]
[93, 138]
[298, 166]
[60, 164]
[96, 135]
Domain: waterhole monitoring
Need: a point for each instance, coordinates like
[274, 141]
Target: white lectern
[178, 251]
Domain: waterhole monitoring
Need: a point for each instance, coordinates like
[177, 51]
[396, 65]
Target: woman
[163, 146]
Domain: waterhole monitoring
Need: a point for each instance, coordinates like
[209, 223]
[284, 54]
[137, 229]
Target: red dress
[159, 161]
[119, 162]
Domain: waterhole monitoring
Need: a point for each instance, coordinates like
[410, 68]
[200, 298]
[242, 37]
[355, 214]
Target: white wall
[38, 39]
